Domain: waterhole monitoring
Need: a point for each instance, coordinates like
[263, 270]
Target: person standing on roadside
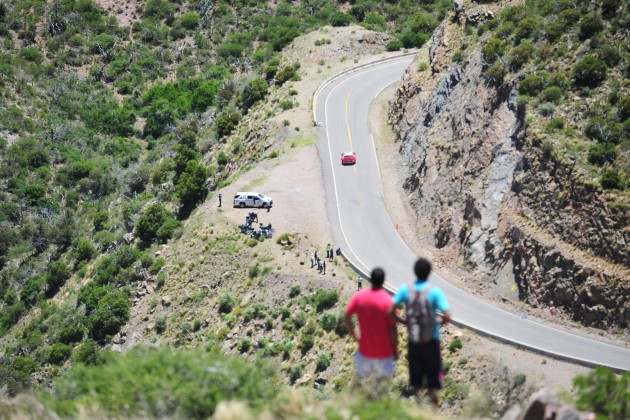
[376, 334]
[220, 198]
[422, 302]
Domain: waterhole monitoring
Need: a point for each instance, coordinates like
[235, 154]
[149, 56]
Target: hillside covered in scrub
[119, 123]
[514, 129]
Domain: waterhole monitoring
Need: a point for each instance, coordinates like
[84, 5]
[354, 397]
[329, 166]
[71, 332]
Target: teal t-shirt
[436, 297]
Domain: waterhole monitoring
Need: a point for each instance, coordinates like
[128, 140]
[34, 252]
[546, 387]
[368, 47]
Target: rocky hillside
[498, 172]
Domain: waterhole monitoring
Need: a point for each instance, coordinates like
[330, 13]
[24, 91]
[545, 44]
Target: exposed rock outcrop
[546, 405]
[485, 191]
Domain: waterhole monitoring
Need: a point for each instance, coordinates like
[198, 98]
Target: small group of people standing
[318, 262]
[330, 252]
[377, 335]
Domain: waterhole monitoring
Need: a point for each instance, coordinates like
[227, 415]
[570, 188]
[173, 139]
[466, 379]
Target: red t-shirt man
[377, 335]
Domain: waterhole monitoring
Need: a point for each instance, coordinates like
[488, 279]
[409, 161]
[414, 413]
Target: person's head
[422, 268]
[378, 278]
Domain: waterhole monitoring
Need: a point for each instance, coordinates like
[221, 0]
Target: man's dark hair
[378, 278]
[422, 269]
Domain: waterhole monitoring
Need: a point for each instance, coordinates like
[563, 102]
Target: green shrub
[624, 108]
[285, 313]
[546, 109]
[83, 249]
[455, 344]
[590, 71]
[189, 20]
[16, 374]
[158, 9]
[58, 273]
[230, 52]
[227, 122]
[322, 362]
[285, 238]
[551, 94]
[590, 24]
[555, 124]
[32, 54]
[325, 299]
[287, 73]
[194, 381]
[547, 148]
[152, 221]
[111, 313]
[157, 265]
[11, 315]
[609, 54]
[602, 153]
[493, 49]
[71, 334]
[226, 303]
[610, 7]
[245, 344]
[286, 105]
[340, 328]
[253, 271]
[394, 45]
[295, 372]
[604, 130]
[340, 19]
[307, 341]
[527, 29]
[252, 93]
[58, 353]
[328, 321]
[299, 319]
[32, 292]
[87, 353]
[414, 40]
[612, 179]
[604, 393]
[295, 290]
[160, 324]
[496, 74]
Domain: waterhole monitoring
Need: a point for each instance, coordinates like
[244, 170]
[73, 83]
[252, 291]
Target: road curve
[364, 230]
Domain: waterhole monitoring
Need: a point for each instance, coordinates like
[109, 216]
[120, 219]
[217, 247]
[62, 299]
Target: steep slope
[488, 185]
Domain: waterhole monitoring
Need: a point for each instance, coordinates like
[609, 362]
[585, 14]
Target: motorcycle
[266, 231]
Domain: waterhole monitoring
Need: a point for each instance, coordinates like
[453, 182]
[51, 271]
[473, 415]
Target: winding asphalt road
[364, 230]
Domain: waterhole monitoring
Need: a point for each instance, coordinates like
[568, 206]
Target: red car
[348, 158]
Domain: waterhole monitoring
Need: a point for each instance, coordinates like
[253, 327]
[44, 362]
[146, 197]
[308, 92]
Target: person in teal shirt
[425, 361]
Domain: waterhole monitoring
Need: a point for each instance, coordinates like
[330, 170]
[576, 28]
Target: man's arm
[445, 318]
[350, 326]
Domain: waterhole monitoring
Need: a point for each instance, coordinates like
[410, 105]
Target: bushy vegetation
[160, 383]
[604, 393]
[562, 53]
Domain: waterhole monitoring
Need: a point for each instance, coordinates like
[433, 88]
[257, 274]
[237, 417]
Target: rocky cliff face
[486, 191]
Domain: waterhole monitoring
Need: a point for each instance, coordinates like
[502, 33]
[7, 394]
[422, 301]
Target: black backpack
[420, 316]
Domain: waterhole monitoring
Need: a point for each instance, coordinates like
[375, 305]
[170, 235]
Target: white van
[252, 199]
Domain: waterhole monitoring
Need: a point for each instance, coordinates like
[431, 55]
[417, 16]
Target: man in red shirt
[376, 334]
